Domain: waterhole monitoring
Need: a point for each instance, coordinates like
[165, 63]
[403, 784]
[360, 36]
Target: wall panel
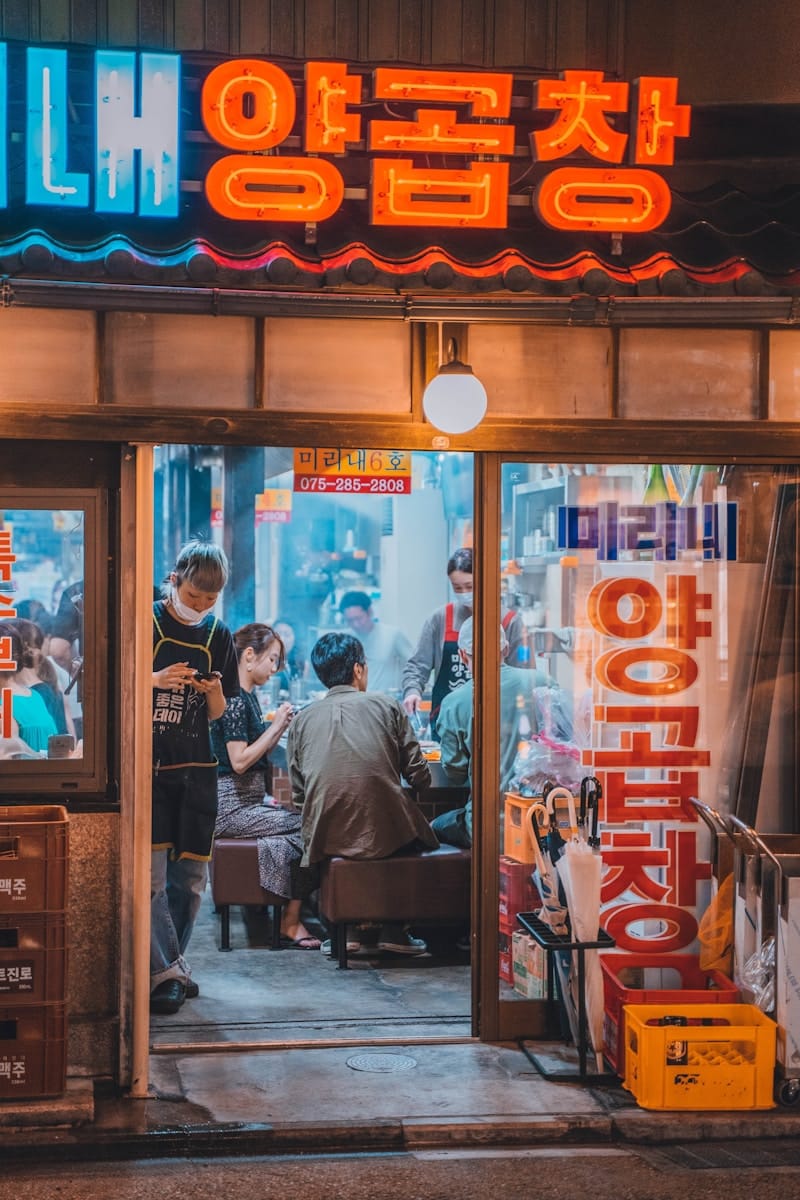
[524, 31]
[689, 374]
[784, 382]
[541, 372]
[48, 356]
[17, 19]
[343, 366]
[121, 23]
[161, 360]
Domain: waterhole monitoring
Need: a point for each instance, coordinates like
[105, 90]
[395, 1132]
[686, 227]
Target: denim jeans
[176, 889]
[455, 826]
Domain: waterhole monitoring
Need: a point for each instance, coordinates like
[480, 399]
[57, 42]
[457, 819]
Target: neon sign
[251, 110]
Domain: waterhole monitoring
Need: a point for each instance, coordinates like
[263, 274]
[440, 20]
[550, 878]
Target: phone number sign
[365, 472]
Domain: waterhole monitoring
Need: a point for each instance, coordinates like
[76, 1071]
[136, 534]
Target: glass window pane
[42, 554]
[367, 526]
[659, 605]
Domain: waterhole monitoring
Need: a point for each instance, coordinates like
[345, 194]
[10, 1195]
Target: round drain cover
[381, 1062]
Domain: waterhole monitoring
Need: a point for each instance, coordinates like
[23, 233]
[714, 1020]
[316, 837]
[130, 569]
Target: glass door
[325, 542]
[657, 660]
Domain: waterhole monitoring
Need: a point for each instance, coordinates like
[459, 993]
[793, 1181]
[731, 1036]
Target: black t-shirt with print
[180, 715]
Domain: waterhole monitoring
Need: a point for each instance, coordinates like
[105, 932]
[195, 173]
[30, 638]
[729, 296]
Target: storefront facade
[601, 353]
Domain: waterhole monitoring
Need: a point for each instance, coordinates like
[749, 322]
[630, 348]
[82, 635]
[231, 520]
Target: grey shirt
[427, 656]
[347, 753]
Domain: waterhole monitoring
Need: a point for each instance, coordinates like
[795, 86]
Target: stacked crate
[522, 963]
[34, 845]
[517, 894]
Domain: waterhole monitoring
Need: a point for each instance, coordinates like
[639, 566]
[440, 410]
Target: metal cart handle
[749, 832]
[713, 819]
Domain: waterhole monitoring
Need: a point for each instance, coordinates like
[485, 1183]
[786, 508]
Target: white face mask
[464, 598]
[184, 613]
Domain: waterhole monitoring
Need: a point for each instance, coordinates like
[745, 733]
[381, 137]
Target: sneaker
[192, 989]
[406, 945]
[352, 947]
[167, 997]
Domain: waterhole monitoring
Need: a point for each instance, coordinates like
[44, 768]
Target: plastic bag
[758, 975]
[715, 931]
[551, 752]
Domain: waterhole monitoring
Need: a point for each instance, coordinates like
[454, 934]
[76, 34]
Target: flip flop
[308, 942]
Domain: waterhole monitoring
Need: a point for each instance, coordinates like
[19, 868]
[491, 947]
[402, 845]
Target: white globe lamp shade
[455, 400]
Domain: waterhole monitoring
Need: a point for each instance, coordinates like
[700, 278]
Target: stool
[234, 878]
[419, 887]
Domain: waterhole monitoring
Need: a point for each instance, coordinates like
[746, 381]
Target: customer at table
[30, 721]
[456, 728]
[437, 649]
[386, 647]
[348, 753]
[245, 808]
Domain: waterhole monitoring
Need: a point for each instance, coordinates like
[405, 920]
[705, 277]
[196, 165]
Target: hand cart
[778, 875]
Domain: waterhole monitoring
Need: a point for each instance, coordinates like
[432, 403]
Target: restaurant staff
[437, 648]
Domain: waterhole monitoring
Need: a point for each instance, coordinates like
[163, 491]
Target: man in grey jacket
[348, 754]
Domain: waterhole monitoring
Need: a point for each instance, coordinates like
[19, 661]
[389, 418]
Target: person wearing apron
[437, 648]
[194, 670]
[452, 673]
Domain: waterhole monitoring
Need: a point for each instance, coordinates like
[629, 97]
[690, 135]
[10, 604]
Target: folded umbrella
[554, 909]
[580, 869]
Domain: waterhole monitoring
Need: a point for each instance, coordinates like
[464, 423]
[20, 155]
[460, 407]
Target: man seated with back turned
[455, 730]
[347, 753]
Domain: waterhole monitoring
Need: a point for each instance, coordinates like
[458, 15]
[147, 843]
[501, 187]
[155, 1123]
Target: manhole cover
[381, 1062]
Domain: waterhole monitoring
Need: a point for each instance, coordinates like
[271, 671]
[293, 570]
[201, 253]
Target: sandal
[307, 942]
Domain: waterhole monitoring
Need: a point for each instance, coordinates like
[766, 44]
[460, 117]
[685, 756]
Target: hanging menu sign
[364, 472]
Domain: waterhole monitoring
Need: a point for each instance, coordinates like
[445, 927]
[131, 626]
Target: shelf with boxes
[34, 850]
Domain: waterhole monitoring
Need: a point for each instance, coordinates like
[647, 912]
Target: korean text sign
[596, 162]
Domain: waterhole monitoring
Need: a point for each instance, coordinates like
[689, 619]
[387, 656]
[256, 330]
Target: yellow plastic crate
[516, 839]
[728, 1059]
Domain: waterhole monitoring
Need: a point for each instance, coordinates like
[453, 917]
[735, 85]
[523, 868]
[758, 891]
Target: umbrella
[556, 847]
[580, 869]
[554, 908]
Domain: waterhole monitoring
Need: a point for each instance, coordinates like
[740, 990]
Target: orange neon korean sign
[250, 106]
[427, 147]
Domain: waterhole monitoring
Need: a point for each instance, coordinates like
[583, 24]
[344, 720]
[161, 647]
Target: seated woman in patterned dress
[242, 744]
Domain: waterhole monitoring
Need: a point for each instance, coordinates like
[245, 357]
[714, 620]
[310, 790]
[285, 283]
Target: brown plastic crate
[33, 958]
[34, 845]
[33, 1051]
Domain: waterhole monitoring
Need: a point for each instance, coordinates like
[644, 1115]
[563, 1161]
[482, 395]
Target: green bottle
[656, 487]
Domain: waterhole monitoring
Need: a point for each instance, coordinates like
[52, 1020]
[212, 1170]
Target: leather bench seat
[233, 874]
[428, 887]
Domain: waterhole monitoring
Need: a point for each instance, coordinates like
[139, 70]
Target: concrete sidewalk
[347, 1099]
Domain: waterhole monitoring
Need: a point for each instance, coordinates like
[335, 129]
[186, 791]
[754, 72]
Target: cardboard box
[529, 966]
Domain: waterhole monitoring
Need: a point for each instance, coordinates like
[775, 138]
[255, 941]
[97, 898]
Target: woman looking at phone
[245, 807]
[188, 642]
